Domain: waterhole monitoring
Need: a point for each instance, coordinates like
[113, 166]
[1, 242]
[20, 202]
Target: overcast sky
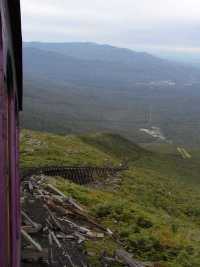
[166, 25]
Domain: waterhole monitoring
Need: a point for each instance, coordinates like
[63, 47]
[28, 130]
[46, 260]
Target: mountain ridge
[97, 90]
[97, 71]
[85, 46]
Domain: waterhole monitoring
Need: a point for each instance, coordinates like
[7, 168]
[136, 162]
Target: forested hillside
[83, 87]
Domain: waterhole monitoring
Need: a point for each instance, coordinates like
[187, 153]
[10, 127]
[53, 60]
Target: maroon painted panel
[9, 181]
[10, 80]
[14, 183]
[2, 161]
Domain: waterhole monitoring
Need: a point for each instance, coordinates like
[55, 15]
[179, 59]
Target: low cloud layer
[153, 24]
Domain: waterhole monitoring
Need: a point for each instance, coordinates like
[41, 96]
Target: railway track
[78, 175]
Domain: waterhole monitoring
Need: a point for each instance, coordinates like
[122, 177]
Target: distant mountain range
[87, 87]
[89, 64]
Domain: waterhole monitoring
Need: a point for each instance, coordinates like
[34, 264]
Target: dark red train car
[10, 105]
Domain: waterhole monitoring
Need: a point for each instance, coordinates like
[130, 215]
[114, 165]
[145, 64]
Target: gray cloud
[159, 24]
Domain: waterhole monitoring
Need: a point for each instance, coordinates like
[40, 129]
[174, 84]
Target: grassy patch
[155, 210]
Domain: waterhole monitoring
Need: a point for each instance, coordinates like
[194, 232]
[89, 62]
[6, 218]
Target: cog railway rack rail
[79, 175]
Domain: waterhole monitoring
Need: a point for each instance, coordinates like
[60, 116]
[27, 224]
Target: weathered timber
[127, 258]
[29, 239]
[34, 255]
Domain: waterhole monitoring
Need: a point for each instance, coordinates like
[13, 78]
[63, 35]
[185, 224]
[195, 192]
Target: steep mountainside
[153, 207]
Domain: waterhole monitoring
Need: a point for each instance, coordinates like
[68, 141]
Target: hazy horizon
[191, 58]
[153, 26]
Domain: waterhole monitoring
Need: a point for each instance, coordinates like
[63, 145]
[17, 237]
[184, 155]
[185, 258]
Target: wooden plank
[127, 258]
[34, 255]
[29, 239]
[55, 190]
[34, 224]
[32, 230]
